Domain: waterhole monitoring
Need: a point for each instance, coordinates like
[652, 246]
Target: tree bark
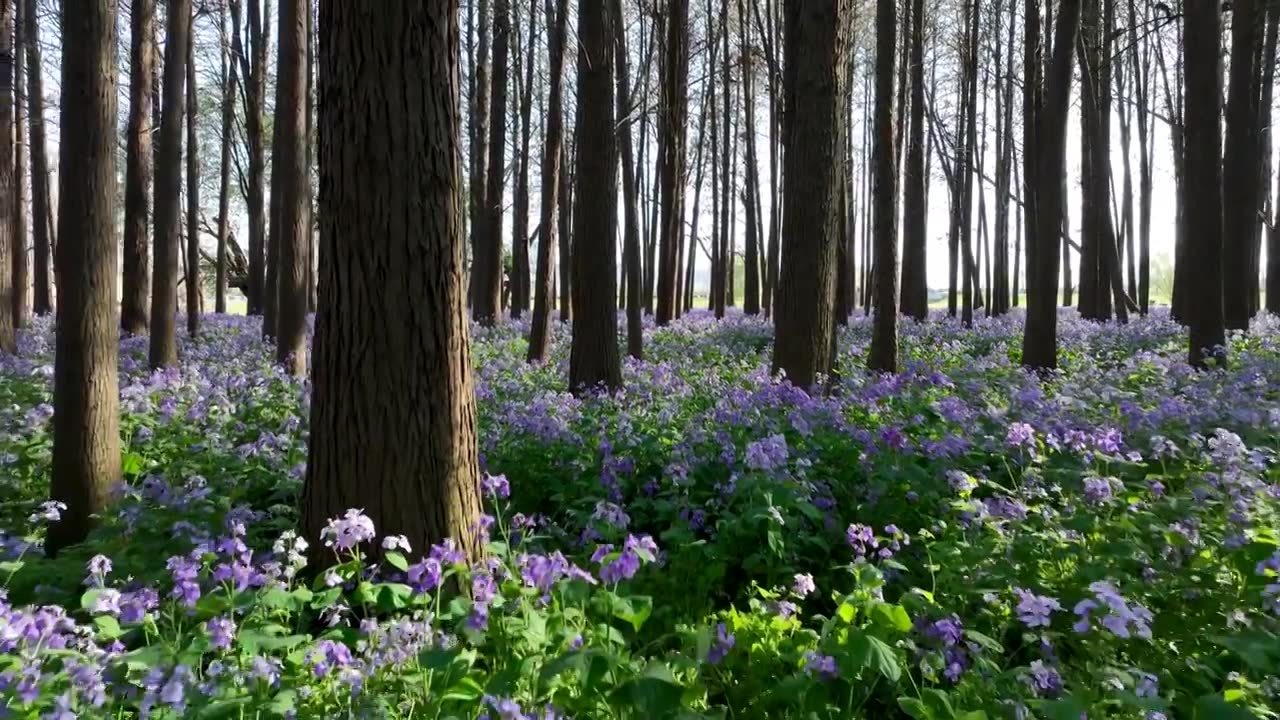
[915, 290]
[292, 186]
[164, 296]
[816, 40]
[751, 253]
[557, 21]
[520, 222]
[593, 356]
[8, 238]
[1040, 339]
[631, 211]
[20, 275]
[567, 230]
[393, 408]
[86, 438]
[1202, 186]
[224, 179]
[487, 300]
[194, 300]
[1241, 190]
[42, 285]
[136, 285]
[478, 128]
[672, 119]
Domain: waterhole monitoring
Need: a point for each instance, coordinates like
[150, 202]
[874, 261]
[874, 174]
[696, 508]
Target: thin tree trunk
[751, 255]
[478, 128]
[136, 281]
[566, 234]
[21, 272]
[631, 229]
[42, 296]
[557, 12]
[168, 217]
[192, 270]
[8, 337]
[883, 355]
[915, 289]
[520, 223]
[86, 438]
[672, 120]
[224, 177]
[1241, 191]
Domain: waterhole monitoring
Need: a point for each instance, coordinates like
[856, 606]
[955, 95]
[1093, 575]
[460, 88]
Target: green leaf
[635, 610]
[1214, 707]
[655, 694]
[985, 641]
[915, 708]
[847, 612]
[283, 702]
[867, 651]
[223, 709]
[1068, 708]
[939, 703]
[973, 715]
[891, 616]
[1258, 652]
[465, 690]
[396, 560]
[108, 627]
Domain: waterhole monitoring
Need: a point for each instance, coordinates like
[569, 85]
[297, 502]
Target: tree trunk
[593, 357]
[972, 12]
[393, 408]
[884, 334]
[672, 119]
[1241, 191]
[20, 274]
[816, 40]
[915, 290]
[1032, 63]
[164, 296]
[567, 174]
[1040, 339]
[557, 21]
[192, 273]
[8, 338]
[255, 71]
[291, 159]
[224, 178]
[136, 283]
[631, 228]
[478, 128]
[520, 222]
[751, 253]
[86, 436]
[487, 299]
[42, 296]
[1201, 58]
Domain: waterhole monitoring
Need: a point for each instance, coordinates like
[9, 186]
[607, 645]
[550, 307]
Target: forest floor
[961, 541]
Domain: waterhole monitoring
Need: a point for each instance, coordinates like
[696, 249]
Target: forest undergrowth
[960, 541]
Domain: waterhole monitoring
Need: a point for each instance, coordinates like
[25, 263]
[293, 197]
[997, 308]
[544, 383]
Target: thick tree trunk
[224, 179]
[816, 40]
[136, 287]
[86, 437]
[884, 334]
[1040, 340]
[593, 357]
[42, 285]
[192, 279]
[391, 346]
[1201, 58]
[1241, 191]
[168, 217]
[552, 172]
[292, 186]
[20, 271]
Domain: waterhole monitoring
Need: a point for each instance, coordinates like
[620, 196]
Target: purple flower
[425, 576]
[447, 553]
[1020, 434]
[1122, 618]
[821, 666]
[1097, 490]
[862, 539]
[611, 514]
[1034, 610]
[496, 486]
[99, 566]
[50, 511]
[767, 454]
[1044, 679]
[345, 533]
[803, 585]
[724, 642]
[222, 632]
